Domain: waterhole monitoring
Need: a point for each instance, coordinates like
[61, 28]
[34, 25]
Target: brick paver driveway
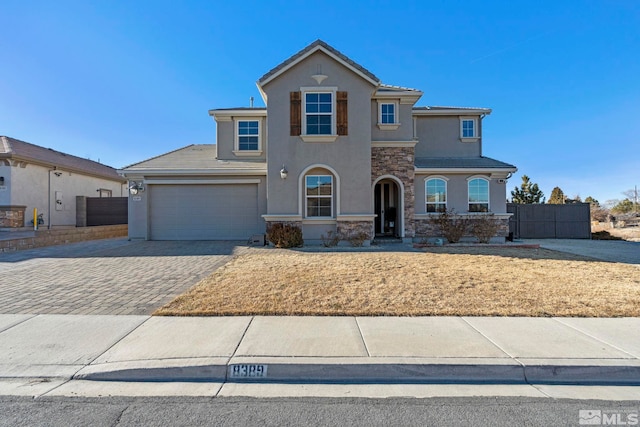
[113, 276]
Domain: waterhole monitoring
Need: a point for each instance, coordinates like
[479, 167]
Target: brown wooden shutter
[296, 114]
[341, 113]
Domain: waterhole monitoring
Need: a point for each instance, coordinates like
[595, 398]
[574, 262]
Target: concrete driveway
[112, 276]
[606, 250]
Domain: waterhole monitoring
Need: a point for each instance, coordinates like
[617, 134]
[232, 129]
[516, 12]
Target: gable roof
[316, 46]
[21, 151]
[194, 159]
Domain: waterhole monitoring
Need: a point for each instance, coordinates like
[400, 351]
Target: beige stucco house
[335, 149]
[48, 180]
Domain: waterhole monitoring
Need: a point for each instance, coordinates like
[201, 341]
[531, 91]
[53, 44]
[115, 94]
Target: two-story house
[335, 150]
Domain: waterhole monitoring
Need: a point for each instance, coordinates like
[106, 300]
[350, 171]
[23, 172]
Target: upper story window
[468, 129]
[248, 137]
[318, 109]
[436, 195]
[388, 115]
[478, 195]
[318, 114]
[319, 196]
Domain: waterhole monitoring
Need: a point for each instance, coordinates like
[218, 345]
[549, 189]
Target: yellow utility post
[35, 218]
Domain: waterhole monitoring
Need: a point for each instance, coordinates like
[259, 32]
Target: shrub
[604, 235]
[285, 235]
[358, 239]
[330, 240]
[452, 226]
[484, 227]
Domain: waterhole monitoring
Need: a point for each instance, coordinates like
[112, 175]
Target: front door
[386, 208]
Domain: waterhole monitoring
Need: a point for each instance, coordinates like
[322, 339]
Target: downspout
[48, 202]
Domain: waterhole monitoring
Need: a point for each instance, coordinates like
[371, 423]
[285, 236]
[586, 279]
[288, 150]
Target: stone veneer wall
[43, 238]
[425, 229]
[350, 228]
[12, 216]
[399, 162]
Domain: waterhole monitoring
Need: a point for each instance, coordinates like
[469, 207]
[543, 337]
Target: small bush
[484, 227]
[330, 240]
[451, 226]
[604, 235]
[358, 239]
[285, 235]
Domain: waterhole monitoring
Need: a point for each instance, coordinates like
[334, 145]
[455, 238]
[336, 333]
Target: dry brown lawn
[460, 281]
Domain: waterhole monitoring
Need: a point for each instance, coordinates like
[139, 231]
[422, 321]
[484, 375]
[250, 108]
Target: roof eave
[466, 170]
[128, 173]
[452, 112]
[55, 166]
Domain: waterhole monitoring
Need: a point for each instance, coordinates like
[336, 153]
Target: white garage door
[204, 212]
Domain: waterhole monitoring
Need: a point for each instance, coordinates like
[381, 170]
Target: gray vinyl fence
[93, 211]
[542, 221]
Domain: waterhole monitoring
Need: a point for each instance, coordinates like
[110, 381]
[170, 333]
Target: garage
[204, 212]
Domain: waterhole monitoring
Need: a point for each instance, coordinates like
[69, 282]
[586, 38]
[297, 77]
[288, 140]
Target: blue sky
[122, 81]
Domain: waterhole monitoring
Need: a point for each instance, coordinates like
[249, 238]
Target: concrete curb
[363, 371]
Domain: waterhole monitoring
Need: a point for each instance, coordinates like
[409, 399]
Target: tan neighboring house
[334, 150]
[48, 180]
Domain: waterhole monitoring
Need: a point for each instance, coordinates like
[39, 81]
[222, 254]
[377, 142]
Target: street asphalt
[129, 352]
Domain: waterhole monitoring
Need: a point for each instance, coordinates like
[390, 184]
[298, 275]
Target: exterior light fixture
[135, 188]
[1, 180]
[284, 172]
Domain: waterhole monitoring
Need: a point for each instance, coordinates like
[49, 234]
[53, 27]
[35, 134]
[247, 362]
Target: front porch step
[385, 240]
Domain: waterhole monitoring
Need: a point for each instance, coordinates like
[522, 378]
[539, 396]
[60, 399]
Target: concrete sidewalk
[321, 350]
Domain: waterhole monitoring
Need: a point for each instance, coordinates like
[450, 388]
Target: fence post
[81, 211]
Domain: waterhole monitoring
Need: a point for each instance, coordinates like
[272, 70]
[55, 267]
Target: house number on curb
[248, 371]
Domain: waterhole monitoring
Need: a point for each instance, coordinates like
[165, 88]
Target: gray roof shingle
[194, 157]
[11, 148]
[461, 163]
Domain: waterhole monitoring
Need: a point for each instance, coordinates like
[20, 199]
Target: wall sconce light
[136, 187]
[284, 172]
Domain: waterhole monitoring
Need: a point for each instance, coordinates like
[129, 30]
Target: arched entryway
[388, 205]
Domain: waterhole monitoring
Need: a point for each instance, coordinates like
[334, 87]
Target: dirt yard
[448, 281]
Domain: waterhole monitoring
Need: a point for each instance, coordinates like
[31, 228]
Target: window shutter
[296, 114]
[341, 113]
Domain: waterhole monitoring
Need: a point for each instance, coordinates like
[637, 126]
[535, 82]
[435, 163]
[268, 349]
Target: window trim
[330, 197]
[446, 191]
[488, 182]
[389, 126]
[236, 137]
[333, 136]
[476, 135]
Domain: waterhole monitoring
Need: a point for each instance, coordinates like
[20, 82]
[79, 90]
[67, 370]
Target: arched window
[319, 196]
[478, 195]
[436, 195]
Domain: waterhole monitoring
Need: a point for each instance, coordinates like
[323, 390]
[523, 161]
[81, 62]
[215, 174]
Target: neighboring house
[334, 150]
[48, 180]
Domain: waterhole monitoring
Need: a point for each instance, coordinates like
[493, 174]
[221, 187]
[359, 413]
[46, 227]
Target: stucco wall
[226, 136]
[457, 193]
[404, 131]
[349, 156]
[439, 136]
[36, 186]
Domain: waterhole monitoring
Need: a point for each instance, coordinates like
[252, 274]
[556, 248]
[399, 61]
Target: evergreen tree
[624, 206]
[557, 196]
[528, 192]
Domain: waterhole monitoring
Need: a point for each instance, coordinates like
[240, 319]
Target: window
[468, 129]
[436, 195]
[248, 135]
[478, 195]
[318, 109]
[387, 114]
[319, 196]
